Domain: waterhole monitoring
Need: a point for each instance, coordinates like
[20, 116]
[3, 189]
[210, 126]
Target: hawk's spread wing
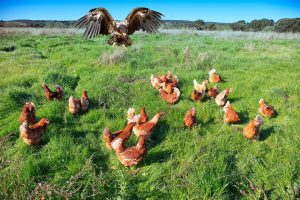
[98, 21]
[145, 19]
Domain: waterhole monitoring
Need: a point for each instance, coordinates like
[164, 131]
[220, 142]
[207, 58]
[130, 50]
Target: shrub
[199, 24]
[288, 25]
[239, 26]
[259, 25]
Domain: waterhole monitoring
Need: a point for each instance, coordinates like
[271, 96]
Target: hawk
[99, 22]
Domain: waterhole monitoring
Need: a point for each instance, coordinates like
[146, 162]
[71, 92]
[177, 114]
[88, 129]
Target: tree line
[282, 25]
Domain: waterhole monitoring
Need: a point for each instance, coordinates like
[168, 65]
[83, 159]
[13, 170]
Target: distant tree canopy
[239, 26]
[288, 25]
[282, 25]
[199, 24]
[259, 25]
[210, 27]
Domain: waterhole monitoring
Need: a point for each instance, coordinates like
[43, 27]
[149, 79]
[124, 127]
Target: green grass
[211, 161]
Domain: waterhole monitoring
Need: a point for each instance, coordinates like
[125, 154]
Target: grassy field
[211, 161]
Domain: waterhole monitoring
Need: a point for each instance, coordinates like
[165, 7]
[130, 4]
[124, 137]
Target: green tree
[199, 24]
[288, 25]
[239, 26]
[259, 25]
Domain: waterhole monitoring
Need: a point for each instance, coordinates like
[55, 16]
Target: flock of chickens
[32, 130]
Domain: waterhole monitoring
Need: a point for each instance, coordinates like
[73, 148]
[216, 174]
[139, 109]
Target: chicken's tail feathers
[212, 71]
[106, 131]
[261, 101]
[177, 91]
[176, 78]
[196, 84]
[152, 77]
[130, 112]
[45, 86]
[258, 118]
[193, 110]
[225, 108]
[59, 87]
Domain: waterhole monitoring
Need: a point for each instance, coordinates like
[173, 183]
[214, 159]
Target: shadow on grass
[205, 122]
[78, 134]
[265, 133]
[8, 49]
[20, 97]
[244, 116]
[234, 100]
[157, 157]
[159, 133]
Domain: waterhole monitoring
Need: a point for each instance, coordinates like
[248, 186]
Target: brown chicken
[140, 118]
[131, 116]
[251, 131]
[156, 82]
[77, 105]
[197, 96]
[214, 77]
[144, 117]
[190, 118]
[213, 92]
[57, 94]
[221, 98]
[168, 87]
[169, 79]
[230, 116]
[170, 98]
[200, 87]
[84, 101]
[74, 105]
[28, 113]
[131, 156]
[265, 109]
[112, 141]
[33, 134]
[146, 128]
[199, 90]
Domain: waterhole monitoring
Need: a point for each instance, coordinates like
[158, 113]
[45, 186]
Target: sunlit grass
[211, 161]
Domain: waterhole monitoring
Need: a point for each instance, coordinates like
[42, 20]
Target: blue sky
[218, 10]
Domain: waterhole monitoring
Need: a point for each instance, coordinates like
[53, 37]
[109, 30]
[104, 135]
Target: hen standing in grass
[190, 118]
[221, 98]
[265, 109]
[74, 105]
[33, 134]
[28, 113]
[156, 82]
[213, 92]
[50, 95]
[131, 156]
[146, 128]
[171, 98]
[139, 119]
[199, 90]
[113, 141]
[77, 105]
[251, 131]
[84, 101]
[214, 77]
[230, 116]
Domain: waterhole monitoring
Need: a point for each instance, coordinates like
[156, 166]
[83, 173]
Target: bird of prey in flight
[99, 21]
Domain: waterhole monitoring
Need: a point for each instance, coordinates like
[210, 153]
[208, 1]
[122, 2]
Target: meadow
[211, 161]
